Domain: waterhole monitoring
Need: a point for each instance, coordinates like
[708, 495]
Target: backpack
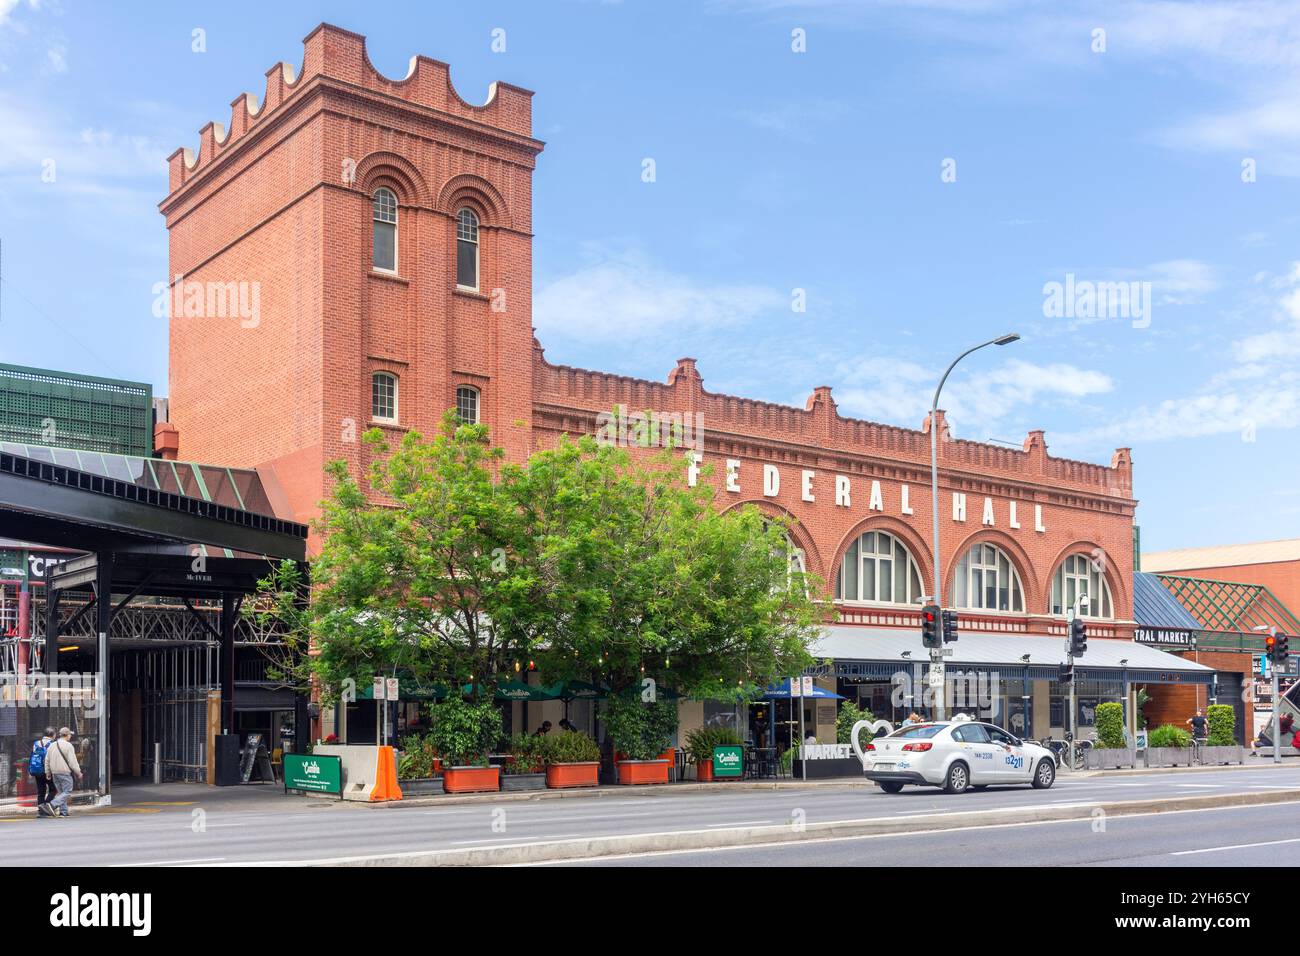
[37, 764]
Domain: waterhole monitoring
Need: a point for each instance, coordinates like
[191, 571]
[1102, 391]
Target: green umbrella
[581, 690]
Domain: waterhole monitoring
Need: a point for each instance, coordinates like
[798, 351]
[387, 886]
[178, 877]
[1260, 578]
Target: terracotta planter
[632, 772]
[471, 779]
[560, 776]
[704, 771]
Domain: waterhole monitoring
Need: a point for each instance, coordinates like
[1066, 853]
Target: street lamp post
[936, 659]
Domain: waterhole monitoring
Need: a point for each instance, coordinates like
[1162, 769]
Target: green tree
[634, 575]
[850, 713]
[415, 572]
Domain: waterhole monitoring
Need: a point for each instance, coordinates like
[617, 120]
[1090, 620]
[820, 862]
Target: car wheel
[1044, 775]
[891, 786]
[958, 778]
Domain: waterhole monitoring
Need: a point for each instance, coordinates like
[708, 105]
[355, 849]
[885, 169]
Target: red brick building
[383, 230]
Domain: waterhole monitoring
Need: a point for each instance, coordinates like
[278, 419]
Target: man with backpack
[61, 766]
[36, 767]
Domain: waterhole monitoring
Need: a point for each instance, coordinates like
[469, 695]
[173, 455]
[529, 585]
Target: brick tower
[303, 314]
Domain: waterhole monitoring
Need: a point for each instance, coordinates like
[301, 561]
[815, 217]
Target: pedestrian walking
[36, 767]
[61, 766]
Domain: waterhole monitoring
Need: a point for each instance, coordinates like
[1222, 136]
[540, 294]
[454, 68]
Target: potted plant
[700, 744]
[415, 767]
[463, 733]
[1110, 750]
[1168, 746]
[525, 766]
[1221, 746]
[572, 760]
[640, 731]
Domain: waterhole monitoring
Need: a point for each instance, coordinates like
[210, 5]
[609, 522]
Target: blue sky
[777, 171]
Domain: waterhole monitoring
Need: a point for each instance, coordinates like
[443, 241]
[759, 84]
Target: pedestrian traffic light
[930, 626]
[1066, 674]
[949, 626]
[1078, 638]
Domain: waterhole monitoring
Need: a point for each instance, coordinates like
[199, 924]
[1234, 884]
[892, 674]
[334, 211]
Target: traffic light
[1078, 638]
[949, 626]
[1270, 649]
[1283, 649]
[930, 626]
[1066, 674]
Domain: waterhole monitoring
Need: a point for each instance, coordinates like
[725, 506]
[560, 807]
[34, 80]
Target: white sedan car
[957, 755]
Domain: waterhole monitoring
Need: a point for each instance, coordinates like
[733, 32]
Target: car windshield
[919, 730]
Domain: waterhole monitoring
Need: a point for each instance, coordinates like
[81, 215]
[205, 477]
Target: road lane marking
[742, 823]
[201, 859]
[1238, 846]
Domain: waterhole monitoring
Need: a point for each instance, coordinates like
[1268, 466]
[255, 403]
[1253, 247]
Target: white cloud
[794, 118]
[621, 296]
[88, 160]
[1257, 389]
[890, 390]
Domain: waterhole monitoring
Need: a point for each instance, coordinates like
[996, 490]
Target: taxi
[957, 755]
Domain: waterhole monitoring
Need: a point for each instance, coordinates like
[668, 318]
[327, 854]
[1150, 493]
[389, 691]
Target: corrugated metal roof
[1222, 556]
[1155, 606]
[847, 642]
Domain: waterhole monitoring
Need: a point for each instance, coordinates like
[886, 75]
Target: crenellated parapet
[820, 424]
[338, 57]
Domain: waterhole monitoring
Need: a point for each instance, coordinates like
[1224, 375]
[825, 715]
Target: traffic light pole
[1277, 717]
[1074, 710]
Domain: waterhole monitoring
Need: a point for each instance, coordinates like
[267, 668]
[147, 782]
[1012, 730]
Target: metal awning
[878, 652]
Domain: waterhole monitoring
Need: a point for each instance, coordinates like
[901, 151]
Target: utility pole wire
[61, 327]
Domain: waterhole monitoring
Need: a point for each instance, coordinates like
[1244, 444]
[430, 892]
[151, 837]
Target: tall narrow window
[467, 405]
[383, 397]
[384, 212]
[1079, 576]
[467, 249]
[987, 580]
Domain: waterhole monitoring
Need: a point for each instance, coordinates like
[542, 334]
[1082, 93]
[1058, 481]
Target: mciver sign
[888, 499]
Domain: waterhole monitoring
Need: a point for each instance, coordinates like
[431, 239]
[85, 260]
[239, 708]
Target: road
[199, 825]
[1236, 837]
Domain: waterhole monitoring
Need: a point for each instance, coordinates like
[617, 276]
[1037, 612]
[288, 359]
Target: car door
[1012, 761]
[984, 757]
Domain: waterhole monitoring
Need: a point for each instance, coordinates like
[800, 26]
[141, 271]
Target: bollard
[157, 763]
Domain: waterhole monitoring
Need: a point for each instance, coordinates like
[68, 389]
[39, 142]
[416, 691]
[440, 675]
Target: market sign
[1168, 636]
[313, 773]
[728, 761]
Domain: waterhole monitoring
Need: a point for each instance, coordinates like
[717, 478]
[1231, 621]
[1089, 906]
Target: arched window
[1077, 576]
[467, 405]
[383, 397]
[384, 213]
[878, 567]
[987, 580]
[467, 249]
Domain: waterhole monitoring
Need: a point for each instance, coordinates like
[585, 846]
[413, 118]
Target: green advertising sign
[728, 761]
[316, 774]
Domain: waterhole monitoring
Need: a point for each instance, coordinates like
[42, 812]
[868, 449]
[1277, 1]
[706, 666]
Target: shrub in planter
[464, 730]
[527, 754]
[417, 758]
[572, 760]
[1167, 735]
[1223, 725]
[640, 730]
[700, 743]
[850, 713]
[1109, 722]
